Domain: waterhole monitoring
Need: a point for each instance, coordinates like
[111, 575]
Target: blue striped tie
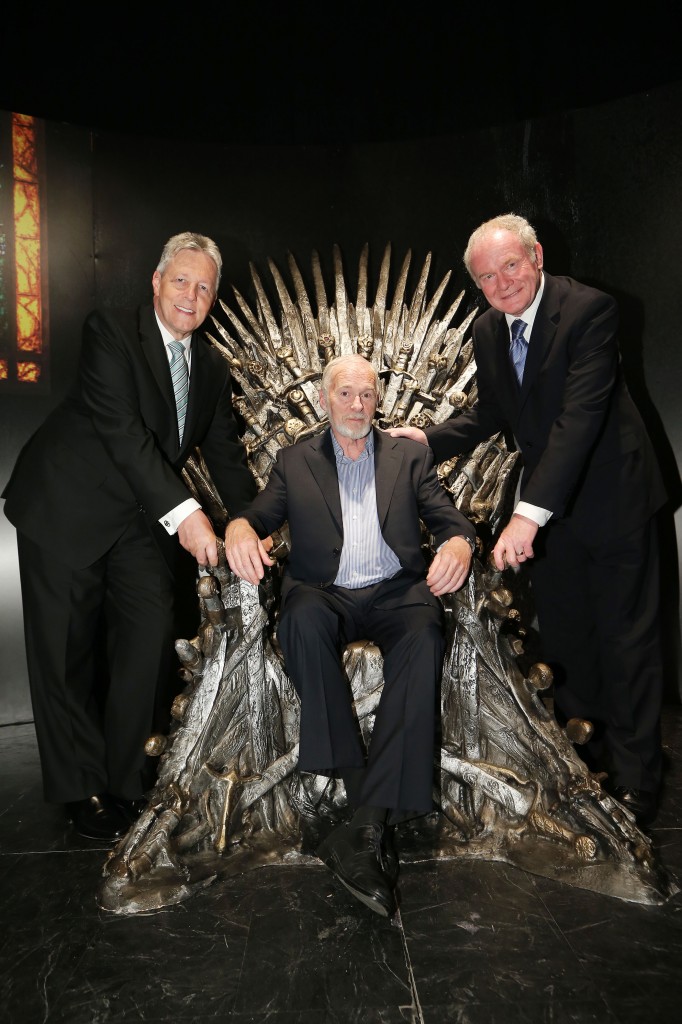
[518, 348]
[180, 378]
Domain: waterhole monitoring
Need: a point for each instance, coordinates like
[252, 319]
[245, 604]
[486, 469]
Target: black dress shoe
[640, 802]
[353, 853]
[98, 817]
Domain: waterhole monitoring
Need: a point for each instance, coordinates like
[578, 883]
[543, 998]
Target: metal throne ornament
[508, 783]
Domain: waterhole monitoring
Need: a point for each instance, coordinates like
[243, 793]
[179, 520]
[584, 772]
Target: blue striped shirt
[366, 558]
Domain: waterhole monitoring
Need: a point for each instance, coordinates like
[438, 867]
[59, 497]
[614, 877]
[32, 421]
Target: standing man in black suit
[353, 498]
[549, 372]
[99, 504]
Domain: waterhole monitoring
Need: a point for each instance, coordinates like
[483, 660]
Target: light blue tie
[180, 378]
[518, 348]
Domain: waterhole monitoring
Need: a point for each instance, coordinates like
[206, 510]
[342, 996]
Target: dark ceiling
[320, 73]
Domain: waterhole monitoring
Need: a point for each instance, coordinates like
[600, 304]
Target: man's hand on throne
[246, 553]
[197, 536]
[515, 543]
[450, 568]
[414, 433]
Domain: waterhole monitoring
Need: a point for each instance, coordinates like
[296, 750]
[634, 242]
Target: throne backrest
[424, 360]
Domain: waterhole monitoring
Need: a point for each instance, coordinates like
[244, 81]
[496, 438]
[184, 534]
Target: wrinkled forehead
[192, 263]
[497, 247]
[354, 378]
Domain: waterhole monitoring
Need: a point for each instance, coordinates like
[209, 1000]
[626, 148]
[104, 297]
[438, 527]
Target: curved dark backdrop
[600, 182]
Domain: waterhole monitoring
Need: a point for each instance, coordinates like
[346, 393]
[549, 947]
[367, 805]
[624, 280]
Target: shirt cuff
[541, 516]
[172, 519]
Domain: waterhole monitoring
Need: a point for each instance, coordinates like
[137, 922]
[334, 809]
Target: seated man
[353, 498]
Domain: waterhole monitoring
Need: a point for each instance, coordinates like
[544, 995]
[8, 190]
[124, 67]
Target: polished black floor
[474, 942]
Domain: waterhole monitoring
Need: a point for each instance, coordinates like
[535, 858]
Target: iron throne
[508, 783]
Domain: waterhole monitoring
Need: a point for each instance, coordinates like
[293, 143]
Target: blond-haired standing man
[101, 512]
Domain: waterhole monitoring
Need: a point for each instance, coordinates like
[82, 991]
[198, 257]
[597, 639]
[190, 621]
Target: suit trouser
[314, 627]
[91, 731]
[598, 614]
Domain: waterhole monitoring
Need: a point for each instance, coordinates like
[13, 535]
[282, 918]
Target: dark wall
[600, 184]
[68, 211]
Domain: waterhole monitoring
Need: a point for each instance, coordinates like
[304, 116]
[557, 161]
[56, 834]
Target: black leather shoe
[640, 802]
[131, 808]
[353, 853]
[98, 817]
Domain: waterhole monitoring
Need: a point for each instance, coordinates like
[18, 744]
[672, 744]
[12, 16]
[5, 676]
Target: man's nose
[356, 403]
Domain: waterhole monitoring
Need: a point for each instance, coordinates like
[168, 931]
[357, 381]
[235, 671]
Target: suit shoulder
[299, 449]
[571, 290]
[409, 446]
[120, 321]
[414, 451]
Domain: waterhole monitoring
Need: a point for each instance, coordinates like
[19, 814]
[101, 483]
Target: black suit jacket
[110, 449]
[586, 453]
[303, 490]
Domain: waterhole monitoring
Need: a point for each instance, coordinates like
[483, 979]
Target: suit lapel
[388, 458]
[506, 368]
[542, 337]
[321, 462]
[155, 354]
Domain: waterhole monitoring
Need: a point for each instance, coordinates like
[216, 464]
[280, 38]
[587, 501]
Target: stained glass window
[24, 348]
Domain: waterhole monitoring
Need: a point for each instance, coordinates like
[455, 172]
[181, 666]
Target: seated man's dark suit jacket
[303, 490]
[587, 458]
[89, 485]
